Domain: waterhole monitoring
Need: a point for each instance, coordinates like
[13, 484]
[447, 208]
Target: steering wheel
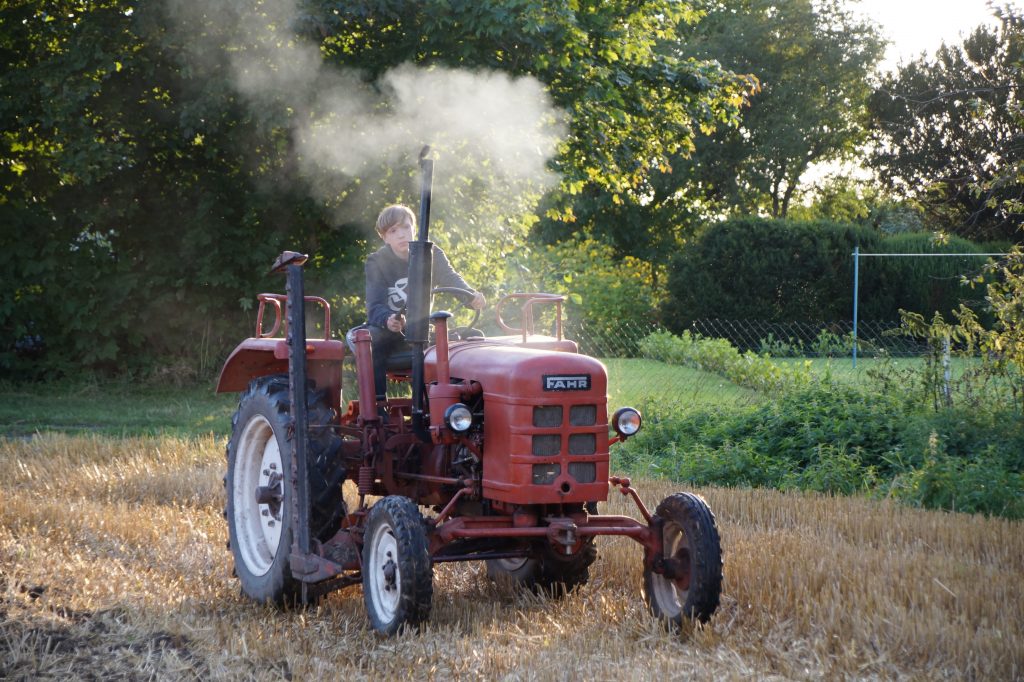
[461, 331]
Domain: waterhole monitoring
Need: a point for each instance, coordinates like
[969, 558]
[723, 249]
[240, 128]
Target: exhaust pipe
[421, 253]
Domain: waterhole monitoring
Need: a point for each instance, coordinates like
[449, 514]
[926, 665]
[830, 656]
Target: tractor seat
[400, 362]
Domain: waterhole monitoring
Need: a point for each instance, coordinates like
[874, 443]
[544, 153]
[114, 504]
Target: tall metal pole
[856, 286]
[299, 408]
[420, 265]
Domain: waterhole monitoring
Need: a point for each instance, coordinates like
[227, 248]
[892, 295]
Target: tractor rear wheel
[259, 508]
[691, 582]
[398, 573]
[552, 573]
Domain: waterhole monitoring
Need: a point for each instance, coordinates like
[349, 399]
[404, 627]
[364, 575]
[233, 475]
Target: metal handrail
[276, 300]
[526, 312]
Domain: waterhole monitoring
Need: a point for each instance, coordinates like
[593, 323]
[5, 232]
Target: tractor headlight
[626, 421]
[458, 417]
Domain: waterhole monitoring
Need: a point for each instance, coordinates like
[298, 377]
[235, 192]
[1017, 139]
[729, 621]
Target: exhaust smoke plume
[493, 132]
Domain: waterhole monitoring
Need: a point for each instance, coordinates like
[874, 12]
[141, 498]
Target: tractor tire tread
[691, 513]
[410, 531]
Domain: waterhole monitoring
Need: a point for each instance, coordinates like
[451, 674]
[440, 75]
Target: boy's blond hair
[394, 215]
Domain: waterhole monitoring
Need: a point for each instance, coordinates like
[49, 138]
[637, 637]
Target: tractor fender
[257, 357]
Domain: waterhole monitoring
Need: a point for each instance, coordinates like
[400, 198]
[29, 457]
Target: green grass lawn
[633, 381]
[119, 408]
[114, 409]
[841, 369]
[122, 408]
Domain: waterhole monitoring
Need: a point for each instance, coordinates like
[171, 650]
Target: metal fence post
[856, 286]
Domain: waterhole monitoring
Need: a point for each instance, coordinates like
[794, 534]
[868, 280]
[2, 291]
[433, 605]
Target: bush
[720, 357]
[834, 470]
[802, 271]
[926, 285]
[605, 293]
[982, 484]
[761, 269]
[841, 439]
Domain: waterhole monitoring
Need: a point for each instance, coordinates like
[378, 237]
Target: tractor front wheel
[689, 583]
[397, 570]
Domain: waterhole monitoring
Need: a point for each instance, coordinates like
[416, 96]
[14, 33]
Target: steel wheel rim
[384, 589]
[511, 564]
[667, 592]
[257, 526]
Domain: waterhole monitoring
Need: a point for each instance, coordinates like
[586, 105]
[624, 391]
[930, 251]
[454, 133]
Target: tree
[632, 102]
[154, 157]
[949, 135]
[141, 202]
[849, 200]
[812, 60]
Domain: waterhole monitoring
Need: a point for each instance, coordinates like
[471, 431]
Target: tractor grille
[547, 445]
[584, 472]
[547, 416]
[577, 435]
[583, 415]
[545, 474]
[582, 444]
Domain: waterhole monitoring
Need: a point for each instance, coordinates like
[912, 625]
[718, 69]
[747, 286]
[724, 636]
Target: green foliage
[142, 204]
[632, 103]
[774, 270]
[926, 284]
[800, 115]
[777, 348]
[147, 185]
[1003, 342]
[948, 130]
[1000, 343]
[748, 369]
[605, 294]
[834, 470]
[827, 344]
[788, 270]
[861, 202]
[978, 484]
[842, 439]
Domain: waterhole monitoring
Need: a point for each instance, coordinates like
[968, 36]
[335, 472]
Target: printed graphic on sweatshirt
[396, 294]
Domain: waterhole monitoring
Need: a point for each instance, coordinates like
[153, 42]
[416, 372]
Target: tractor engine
[545, 425]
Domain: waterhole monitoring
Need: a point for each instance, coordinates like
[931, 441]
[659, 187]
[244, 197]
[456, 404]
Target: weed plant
[884, 437]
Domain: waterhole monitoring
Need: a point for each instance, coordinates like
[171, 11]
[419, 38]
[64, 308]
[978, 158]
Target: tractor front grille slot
[582, 444]
[545, 474]
[584, 472]
[547, 415]
[583, 415]
[547, 445]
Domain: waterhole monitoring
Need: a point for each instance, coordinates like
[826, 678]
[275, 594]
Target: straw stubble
[114, 563]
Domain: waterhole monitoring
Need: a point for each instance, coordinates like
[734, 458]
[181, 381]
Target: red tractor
[501, 455]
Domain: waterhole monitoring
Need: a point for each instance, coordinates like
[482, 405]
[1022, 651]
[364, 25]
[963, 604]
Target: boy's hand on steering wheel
[396, 323]
[478, 302]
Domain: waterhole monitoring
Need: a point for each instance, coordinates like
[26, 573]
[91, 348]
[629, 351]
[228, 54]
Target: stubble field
[113, 565]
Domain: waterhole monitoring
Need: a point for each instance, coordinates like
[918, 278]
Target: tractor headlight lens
[626, 421]
[458, 417]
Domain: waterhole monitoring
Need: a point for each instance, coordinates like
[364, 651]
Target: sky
[914, 26]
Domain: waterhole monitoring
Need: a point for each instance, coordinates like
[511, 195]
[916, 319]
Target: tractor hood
[511, 371]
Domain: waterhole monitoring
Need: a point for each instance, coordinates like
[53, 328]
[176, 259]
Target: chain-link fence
[641, 376]
[638, 374]
[777, 339]
[813, 339]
